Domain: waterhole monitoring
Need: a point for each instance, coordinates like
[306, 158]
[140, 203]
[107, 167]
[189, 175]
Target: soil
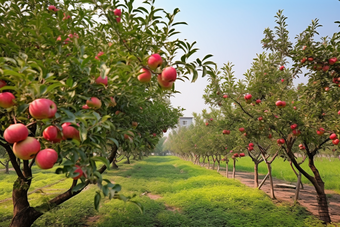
[307, 196]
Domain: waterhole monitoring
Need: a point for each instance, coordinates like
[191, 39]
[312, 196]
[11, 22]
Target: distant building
[185, 121]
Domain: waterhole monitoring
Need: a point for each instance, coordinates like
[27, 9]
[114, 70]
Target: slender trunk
[226, 169]
[213, 167]
[234, 167]
[262, 182]
[127, 159]
[218, 166]
[7, 167]
[272, 195]
[297, 188]
[256, 174]
[203, 163]
[208, 163]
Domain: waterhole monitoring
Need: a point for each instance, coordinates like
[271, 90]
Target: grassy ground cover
[329, 169]
[190, 196]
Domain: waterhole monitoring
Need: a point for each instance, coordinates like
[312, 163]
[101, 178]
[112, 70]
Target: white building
[185, 121]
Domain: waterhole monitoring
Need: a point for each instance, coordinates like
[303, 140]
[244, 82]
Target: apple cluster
[164, 79]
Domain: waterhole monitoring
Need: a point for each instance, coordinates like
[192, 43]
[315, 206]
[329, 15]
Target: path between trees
[307, 196]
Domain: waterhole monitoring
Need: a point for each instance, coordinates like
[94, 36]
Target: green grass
[329, 170]
[196, 196]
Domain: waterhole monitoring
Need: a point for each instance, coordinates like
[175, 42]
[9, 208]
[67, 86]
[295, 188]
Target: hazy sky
[232, 30]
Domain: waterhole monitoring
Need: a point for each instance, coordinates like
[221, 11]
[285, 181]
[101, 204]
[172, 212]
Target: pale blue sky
[232, 31]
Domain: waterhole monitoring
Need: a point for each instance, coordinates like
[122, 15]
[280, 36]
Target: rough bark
[226, 169]
[234, 167]
[256, 175]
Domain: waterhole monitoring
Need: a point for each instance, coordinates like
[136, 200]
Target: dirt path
[307, 196]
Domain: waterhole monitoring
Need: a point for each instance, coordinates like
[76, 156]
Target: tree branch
[13, 160]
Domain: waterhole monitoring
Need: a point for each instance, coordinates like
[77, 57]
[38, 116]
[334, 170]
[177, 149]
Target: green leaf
[139, 205]
[117, 188]
[53, 86]
[78, 187]
[97, 198]
[105, 161]
[114, 140]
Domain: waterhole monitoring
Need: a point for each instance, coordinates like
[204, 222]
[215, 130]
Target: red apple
[325, 68]
[280, 141]
[53, 134]
[85, 107]
[296, 132]
[327, 88]
[100, 80]
[42, 108]
[211, 119]
[145, 76]
[94, 102]
[258, 101]
[241, 129]
[293, 126]
[310, 59]
[280, 104]
[226, 132]
[6, 99]
[117, 112]
[242, 155]
[282, 67]
[260, 118]
[304, 47]
[332, 61]
[251, 145]
[282, 80]
[154, 134]
[118, 19]
[303, 60]
[250, 148]
[112, 102]
[225, 96]
[126, 136]
[155, 61]
[46, 158]
[164, 84]
[78, 170]
[339, 112]
[169, 74]
[270, 136]
[70, 132]
[52, 8]
[206, 123]
[336, 141]
[2, 83]
[236, 155]
[27, 148]
[15, 133]
[333, 136]
[294, 107]
[117, 12]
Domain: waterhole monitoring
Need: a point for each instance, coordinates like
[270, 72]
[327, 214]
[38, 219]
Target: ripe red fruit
[339, 112]
[260, 118]
[145, 76]
[94, 102]
[242, 155]
[225, 96]
[206, 123]
[270, 136]
[333, 136]
[282, 67]
[280, 104]
[250, 148]
[226, 132]
[53, 134]
[164, 84]
[2, 83]
[325, 68]
[251, 145]
[236, 155]
[336, 141]
[117, 12]
[27, 148]
[310, 59]
[169, 74]
[303, 60]
[293, 126]
[42, 108]
[280, 141]
[282, 80]
[85, 107]
[15, 133]
[70, 132]
[304, 47]
[241, 129]
[100, 80]
[154, 134]
[118, 19]
[319, 67]
[296, 132]
[320, 133]
[46, 158]
[332, 61]
[154, 61]
[248, 96]
[258, 101]
[294, 107]
[6, 99]
[211, 119]
[78, 170]
[52, 8]
[327, 88]
[245, 134]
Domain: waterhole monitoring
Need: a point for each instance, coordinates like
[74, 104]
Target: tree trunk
[127, 159]
[7, 167]
[218, 166]
[272, 195]
[213, 167]
[297, 188]
[234, 167]
[226, 169]
[23, 214]
[256, 175]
